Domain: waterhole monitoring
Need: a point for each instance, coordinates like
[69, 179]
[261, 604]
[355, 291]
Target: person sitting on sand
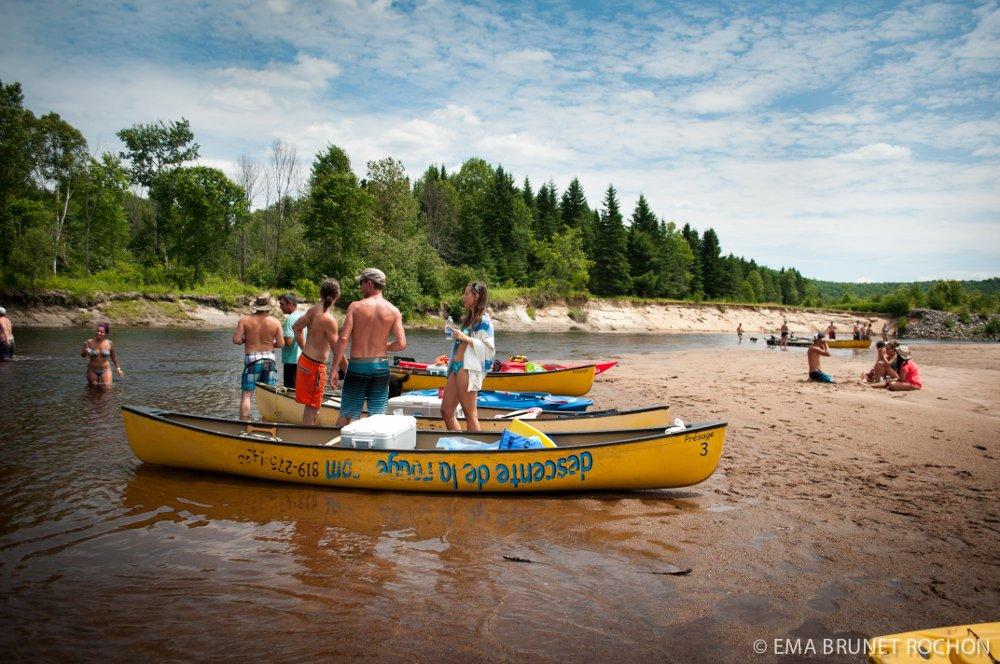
[909, 374]
[883, 364]
[817, 349]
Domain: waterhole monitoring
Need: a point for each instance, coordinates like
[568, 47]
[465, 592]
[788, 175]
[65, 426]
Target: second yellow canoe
[572, 382]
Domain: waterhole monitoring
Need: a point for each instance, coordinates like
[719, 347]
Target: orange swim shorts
[310, 381]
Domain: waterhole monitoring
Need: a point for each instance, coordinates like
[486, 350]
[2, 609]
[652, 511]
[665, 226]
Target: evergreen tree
[472, 182]
[528, 195]
[712, 269]
[644, 251]
[547, 218]
[695, 288]
[611, 269]
[575, 211]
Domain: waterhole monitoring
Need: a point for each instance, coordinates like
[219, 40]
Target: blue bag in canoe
[519, 400]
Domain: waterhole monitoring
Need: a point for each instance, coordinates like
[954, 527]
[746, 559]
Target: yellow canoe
[277, 404]
[849, 343]
[961, 644]
[586, 461]
[571, 382]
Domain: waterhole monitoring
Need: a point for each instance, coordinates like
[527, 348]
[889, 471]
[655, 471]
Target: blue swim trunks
[258, 368]
[820, 377]
[367, 379]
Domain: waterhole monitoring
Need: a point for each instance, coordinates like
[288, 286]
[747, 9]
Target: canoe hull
[574, 382]
[278, 406]
[849, 343]
[650, 462]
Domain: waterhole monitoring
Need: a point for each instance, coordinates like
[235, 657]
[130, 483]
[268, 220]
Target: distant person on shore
[260, 334]
[367, 326]
[908, 378]
[784, 334]
[885, 330]
[856, 332]
[884, 356]
[818, 348]
[316, 348]
[471, 359]
[6, 337]
[739, 333]
[868, 331]
[100, 353]
[831, 331]
[289, 305]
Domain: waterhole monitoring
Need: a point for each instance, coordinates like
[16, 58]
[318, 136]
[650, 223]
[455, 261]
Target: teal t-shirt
[290, 354]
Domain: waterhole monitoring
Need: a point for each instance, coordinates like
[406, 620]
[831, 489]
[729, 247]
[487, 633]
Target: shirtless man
[739, 333]
[784, 334]
[260, 334]
[367, 327]
[817, 349]
[310, 379]
[831, 331]
[6, 336]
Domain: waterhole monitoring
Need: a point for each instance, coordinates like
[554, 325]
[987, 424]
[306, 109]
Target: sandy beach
[839, 509]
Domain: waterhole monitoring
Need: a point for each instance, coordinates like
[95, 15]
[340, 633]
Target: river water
[104, 557]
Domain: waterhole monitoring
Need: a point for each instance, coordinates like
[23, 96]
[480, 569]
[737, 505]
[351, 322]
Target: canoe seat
[261, 433]
[332, 442]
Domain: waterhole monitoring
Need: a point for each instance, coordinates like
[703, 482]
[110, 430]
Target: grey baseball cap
[372, 274]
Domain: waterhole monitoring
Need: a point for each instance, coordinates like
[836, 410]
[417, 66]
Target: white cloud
[878, 152]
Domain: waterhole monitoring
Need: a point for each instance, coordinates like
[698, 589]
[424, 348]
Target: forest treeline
[151, 216]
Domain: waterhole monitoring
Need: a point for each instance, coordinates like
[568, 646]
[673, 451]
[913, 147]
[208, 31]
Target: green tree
[676, 258]
[713, 277]
[757, 285]
[695, 289]
[473, 182]
[547, 218]
[62, 158]
[204, 208]
[153, 149]
[644, 249]
[103, 225]
[337, 215]
[611, 270]
[439, 212]
[16, 161]
[396, 208]
[563, 264]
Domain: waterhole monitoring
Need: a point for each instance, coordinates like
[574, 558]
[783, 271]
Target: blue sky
[854, 141]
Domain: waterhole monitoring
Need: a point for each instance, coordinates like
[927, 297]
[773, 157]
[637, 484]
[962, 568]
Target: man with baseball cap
[367, 326]
[6, 336]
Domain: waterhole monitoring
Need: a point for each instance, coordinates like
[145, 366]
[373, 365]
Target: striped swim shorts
[367, 379]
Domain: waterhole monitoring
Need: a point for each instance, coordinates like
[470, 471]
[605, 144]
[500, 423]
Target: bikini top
[93, 352]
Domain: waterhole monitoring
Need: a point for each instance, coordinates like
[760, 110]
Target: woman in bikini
[471, 359]
[100, 352]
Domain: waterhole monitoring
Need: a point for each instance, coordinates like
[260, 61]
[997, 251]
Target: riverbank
[839, 510]
[55, 309]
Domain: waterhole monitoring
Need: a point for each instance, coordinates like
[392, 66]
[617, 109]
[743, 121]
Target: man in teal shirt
[290, 353]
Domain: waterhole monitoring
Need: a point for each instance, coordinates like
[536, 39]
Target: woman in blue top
[471, 359]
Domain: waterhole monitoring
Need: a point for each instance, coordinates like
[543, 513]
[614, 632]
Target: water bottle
[448, 325]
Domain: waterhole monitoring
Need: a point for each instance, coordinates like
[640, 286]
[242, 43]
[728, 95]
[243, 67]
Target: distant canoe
[585, 461]
[574, 382]
[849, 343]
[279, 405]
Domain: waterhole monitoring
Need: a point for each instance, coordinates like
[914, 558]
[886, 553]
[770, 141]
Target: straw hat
[904, 352]
[261, 303]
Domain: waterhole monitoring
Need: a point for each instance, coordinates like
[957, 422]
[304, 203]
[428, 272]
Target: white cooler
[381, 432]
[419, 405]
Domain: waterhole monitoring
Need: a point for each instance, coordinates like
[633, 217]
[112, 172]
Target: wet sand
[840, 509]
